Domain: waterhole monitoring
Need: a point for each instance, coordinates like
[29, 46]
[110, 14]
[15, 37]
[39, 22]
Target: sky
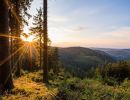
[87, 23]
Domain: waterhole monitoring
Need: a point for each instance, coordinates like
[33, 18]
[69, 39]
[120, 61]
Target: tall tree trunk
[30, 58]
[18, 69]
[45, 51]
[11, 40]
[6, 82]
[40, 50]
[11, 51]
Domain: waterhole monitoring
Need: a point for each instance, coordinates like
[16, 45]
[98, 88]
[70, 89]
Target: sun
[27, 37]
[30, 38]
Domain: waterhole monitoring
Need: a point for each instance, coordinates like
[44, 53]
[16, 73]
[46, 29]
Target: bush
[115, 73]
[70, 89]
[110, 81]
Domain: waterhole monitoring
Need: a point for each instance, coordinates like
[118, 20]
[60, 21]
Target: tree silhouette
[45, 35]
[6, 82]
[38, 30]
[18, 12]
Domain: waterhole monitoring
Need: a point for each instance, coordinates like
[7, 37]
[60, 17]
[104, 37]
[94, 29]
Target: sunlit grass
[27, 89]
[30, 87]
[24, 46]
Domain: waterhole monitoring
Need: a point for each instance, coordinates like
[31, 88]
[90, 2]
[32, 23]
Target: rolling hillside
[85, 57]
[118, 54]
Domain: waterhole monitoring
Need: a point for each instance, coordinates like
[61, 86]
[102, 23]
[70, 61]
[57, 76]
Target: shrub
[115, 73]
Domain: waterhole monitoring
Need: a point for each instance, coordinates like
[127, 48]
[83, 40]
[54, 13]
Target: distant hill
[83, 57]
[118, 54]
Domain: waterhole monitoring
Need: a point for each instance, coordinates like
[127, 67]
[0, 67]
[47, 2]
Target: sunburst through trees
[17, 49]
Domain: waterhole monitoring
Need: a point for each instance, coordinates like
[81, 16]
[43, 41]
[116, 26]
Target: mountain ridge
[81, 56]
[118, 54]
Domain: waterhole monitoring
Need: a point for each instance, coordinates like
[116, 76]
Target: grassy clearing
[27, 89]
[30, 87]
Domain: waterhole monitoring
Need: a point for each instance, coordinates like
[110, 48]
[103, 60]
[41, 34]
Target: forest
[31, 68]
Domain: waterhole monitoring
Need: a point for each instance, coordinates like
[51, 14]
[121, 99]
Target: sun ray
[8, 36]
[8, 58]
[30, 54]
[37, 53]
[14, 68]
[20, 57]
[8, 4]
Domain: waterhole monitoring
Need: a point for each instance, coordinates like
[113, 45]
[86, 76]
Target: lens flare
[27, 38]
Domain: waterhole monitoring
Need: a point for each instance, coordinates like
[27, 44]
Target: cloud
[79, 28]
[117, 32]
[66, 44]
[118, 38]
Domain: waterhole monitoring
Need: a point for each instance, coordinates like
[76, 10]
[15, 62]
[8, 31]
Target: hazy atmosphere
[90, 23]
[64, 49]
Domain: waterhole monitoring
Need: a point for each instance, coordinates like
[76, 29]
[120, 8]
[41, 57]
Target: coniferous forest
[34, 67]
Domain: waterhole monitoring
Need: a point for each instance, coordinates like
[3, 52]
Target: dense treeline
[111, 73]
[83, 57]
[15, 11]
[110, 81]
[115, 72]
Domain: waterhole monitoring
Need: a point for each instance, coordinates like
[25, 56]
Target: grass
[62, 87]
[26, 88]
[92, 89]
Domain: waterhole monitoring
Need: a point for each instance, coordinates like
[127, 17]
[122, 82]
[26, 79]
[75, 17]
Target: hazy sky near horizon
[88, 23]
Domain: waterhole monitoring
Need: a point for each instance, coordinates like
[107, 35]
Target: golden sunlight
[27, 37]
[26, 29]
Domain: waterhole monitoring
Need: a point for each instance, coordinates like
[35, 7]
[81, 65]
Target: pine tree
[6, 82]
[38, 30]
[56, 61]
[45, 35]
[53, 59]
[18, 12]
